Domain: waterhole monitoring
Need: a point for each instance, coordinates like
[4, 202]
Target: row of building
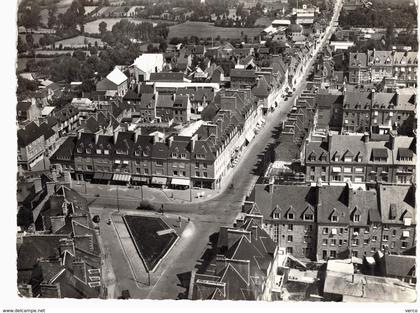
[329, 221]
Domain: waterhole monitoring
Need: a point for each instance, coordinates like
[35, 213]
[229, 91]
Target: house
[31, 145]
[245, 267]
[115, 81]
[146, 64]
[23, 112]
[62, 258]
[242, 78]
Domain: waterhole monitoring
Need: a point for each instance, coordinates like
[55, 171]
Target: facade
[336, 222]
[361, 159]
[374, 66]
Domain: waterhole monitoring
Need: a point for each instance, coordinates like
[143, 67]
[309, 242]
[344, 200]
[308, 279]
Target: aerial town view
[217, 150]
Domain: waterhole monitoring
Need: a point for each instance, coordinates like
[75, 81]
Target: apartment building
[374, 66]
[324, 221]
[361, 159]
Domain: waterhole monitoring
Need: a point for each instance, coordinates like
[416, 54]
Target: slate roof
[333, 200]
[46, 130]
[365, 203]
[167, 77]
[401, 199]
[284, 199]
[241, 73]
[399, 265]
[262, 88]
[29, 134]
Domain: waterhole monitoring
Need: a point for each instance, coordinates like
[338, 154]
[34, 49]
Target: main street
[207, 217]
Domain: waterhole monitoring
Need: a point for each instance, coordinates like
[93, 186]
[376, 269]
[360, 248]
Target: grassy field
[79, 41]
[93, 27]
[205, 30]
[151, 246]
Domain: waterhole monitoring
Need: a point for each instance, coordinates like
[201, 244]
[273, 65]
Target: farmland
[205, 30]
[79, 41]
[93, 27]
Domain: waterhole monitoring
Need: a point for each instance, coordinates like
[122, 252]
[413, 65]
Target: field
[150, 246]
[206, 30]
[93, 27]
[79, 41]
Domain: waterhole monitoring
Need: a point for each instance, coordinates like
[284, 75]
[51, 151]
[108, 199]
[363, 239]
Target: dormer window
[145, 154]
[290, 216]
[308, 217]
[79, 150]
[174, 155]
[276, 215]
[356, 218]
[334, 218]
[88, 150]
[336, 158]
[98, 151]
[137, 153]
[348, 159]
[106, 152]
[183, 155]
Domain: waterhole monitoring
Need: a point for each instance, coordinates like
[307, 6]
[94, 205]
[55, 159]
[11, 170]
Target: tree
[102, 28]
[31, 16]
[52, 20]
[21, 45]
[30, 40]
[146, 205]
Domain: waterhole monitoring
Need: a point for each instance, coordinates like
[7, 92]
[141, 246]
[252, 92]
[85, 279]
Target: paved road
[207, 217]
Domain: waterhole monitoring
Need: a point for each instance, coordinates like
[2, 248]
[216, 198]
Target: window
[324, 242]
[176, 173]
[347, 169]
[393, 245]
[183, 155]
[366, 241]
[334, 218]
[341, 230]
[197, 173]
[197, 164]
[276, 233]
[356, 218]
[290, 216]
[333, 254]
[308, 217]
[355, 242]
[276, 216]
[404, 244]
[325, 230]
[205, 174]
[340, 242]
[98, 151]
[146, 171]
[159, 163]
[355, 253]
[204, 165]
[333, 242]
[174, 155]
[385, 237]
[306, 239]
[374, 238]
[289, 250]
[290, 227]
[89, 167]
[386, 227]
[358, 169]
[290, 238]
[394, 232]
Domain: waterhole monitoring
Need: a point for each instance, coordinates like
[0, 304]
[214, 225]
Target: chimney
[397, 97]
[366, 137]
[137, 133]
[220, 264]
[170, 141]
[50, 188]
[96, 138]
[254, 232]
[115, 137]
[329, 138]
[193, 140]
[271, 184]
[66, 244]
[392, 140]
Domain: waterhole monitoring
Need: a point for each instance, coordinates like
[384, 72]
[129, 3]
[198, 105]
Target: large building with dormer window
[374, 66]
[336, 222]
[361, 159]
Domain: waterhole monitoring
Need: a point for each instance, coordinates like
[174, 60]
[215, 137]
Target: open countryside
[206, 30]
